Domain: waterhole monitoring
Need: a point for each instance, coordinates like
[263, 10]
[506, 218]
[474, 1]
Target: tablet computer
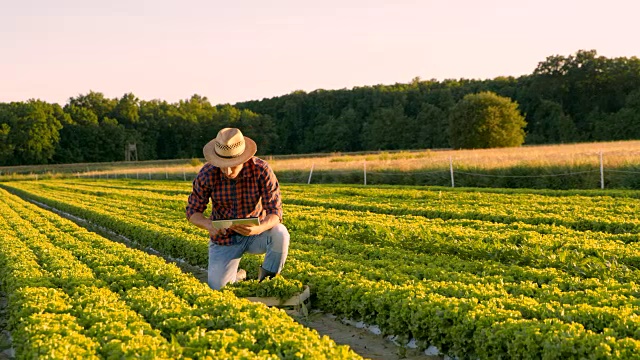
[223, 224]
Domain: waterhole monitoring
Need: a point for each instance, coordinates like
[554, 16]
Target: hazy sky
[231, 51]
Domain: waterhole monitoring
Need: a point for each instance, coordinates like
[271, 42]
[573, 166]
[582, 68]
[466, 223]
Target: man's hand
[247, 230]
[213, 231]
[269, 221]
[200, 221]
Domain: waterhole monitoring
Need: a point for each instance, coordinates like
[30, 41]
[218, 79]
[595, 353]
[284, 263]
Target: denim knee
[279, 238]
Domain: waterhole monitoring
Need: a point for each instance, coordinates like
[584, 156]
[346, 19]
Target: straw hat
[229, 148]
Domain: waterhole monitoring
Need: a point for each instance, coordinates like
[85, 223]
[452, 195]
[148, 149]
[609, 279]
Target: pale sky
[231, 51]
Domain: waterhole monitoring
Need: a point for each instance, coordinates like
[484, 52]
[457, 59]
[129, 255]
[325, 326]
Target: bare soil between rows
[360, 340]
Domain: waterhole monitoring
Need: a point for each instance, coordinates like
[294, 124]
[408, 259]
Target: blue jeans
[224, 259]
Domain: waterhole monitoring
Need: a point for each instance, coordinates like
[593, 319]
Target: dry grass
[615, 155]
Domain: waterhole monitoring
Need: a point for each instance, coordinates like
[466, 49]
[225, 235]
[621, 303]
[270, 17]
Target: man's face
[231, 172]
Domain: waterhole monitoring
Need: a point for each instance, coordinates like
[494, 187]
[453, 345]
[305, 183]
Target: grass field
[621, 154]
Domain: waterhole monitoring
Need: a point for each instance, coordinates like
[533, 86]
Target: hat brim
[209, 152]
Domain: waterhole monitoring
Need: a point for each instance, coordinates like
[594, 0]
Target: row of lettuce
[472, 288]
[606, 213]
[611, 211]
[578, 253]
[74, 294]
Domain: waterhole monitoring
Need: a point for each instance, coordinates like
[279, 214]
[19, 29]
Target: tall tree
[432, 127]
[96, 102]
[127, 111]
[34, 131]
[6, 147]
[551, 124]
[339, 133]
[486, 120]
[625, 124]
[387, 129]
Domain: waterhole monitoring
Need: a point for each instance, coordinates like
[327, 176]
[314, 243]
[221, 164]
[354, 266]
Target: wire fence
[538, 177]
[453, 176]
[456, 178]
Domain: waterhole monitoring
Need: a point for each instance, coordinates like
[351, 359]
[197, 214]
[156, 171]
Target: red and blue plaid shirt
[255, 192]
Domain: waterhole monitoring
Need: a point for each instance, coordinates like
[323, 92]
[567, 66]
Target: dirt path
[361, 340]
[6, 351]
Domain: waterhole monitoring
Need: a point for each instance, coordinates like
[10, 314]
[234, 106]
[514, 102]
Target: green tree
[260, 128]
[551, 125]
[377, 132]
[6, 148]
[34, 131]
[127, 110]
[111, 141]
[432, 128]
[486, 120]
[96, 102]
[339, 133]
[153, 119]
[625, 124]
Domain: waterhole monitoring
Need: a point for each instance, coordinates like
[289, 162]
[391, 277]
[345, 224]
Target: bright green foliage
[486, 120]
[551, 124]
[30, 132]
[278, 287]
[74, 294]
[493, 274]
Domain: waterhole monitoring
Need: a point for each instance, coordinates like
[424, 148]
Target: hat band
[228, 157]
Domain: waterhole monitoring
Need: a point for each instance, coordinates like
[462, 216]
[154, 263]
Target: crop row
[393, 244]
[372, 246]
[582, 254]
[608, 211]
[469, 307]
[73, 292]
[612, 215]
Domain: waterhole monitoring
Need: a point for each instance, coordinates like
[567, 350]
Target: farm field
[477, 274]
[74, 294]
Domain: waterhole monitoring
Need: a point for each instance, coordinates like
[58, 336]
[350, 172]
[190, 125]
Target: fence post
[166, 173]
[149, 174]
[453, 184]
[184, 176]
[601, 172]
[137, 175]
[365, 172]
[310, 173]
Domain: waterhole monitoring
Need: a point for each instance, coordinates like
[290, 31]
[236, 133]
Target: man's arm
[202, 222]
[197, 202]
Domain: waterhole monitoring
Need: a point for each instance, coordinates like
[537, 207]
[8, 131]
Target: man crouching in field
[239, 186]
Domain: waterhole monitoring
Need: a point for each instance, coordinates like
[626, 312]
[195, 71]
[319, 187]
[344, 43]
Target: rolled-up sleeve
[271, 201]
[200, 194]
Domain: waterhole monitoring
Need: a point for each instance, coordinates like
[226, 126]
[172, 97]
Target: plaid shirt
[254, 193]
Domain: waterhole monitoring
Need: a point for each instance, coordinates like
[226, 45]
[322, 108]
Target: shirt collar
[246, 172]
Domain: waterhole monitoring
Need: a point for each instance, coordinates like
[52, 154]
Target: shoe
[264, 274]
[241, 275]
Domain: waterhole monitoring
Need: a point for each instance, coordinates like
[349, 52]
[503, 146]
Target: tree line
[575, 98]
[580, 97]
[93, 128]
